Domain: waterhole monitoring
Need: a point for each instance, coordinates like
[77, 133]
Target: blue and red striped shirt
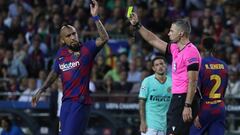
[213, 79]
[74, 70]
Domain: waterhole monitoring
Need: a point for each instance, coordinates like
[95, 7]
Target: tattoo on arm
[102, 31]
[50, 79]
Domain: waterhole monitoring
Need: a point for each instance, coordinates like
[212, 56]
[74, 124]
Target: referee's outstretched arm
[150, 37]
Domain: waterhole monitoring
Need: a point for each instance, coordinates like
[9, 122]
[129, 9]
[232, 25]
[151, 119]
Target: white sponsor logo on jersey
[69, 65]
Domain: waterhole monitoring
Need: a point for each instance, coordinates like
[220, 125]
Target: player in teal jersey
[154, 99]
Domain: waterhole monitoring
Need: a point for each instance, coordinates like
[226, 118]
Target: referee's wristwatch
[187, 105]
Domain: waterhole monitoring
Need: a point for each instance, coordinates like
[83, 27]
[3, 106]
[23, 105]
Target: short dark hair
[158, 57]
[208, 43]
[184, 24]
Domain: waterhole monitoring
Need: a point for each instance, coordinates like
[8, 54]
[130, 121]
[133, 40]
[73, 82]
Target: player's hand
[143, 127]
[133, 19]
[94, 8]
[35, 98]
[197, 124]
[187, 114]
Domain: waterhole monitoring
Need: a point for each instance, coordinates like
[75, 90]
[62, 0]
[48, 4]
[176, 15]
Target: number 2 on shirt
[213, 93]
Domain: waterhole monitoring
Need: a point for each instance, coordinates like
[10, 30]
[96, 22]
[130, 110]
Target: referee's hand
[187, 114]
[133, 19]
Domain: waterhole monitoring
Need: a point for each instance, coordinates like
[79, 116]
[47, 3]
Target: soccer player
[154, 99]
[73, 64]
[213, 78]
[186, 62]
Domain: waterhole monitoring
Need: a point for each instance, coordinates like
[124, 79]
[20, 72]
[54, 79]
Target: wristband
[96, 18]
[137, 26]
[187, 105]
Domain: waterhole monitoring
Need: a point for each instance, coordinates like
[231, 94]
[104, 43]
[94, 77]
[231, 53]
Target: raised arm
[150, 37]
[101, 30]
[52, 76]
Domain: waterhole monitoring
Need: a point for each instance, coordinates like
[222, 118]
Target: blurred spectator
[3, 71]
[18, 50]
[124, 85]
[136, 86]
[38, 44]
[3, 88]
[23, 84]
[44, 32]
[139, 62]
[234, 65]
[13, 89]
[112, 22]
[26, 96]
[3, 44]
[218, 25]
[115, 72]
[236, 36]
[15, 66]
[158, 24]
[42, 76]
[90, 30]
[233, 88]
[9, 128]
[101, 67]
[134, 76]
[206, 27]
[35, 59]
[134, 52]
[123, 58]
[109, 86]
[14, 7]
[14, 28]
[227, 47]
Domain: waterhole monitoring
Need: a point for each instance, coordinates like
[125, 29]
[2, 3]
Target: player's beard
[75, 47]
[161, 74]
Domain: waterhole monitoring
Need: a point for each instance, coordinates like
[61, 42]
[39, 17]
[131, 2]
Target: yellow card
[129, 11]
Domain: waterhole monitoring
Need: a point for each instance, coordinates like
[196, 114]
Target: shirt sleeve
[143, 92]
[168, 53]
[91, 45]
[55, 66]
[192, 57]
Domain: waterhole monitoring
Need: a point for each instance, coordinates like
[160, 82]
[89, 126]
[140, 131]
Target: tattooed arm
[101, 30]
[52, 76]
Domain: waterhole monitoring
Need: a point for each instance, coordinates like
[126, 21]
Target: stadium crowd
[29, 39]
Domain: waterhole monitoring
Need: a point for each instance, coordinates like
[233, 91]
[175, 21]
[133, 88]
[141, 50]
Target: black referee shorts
[175, 123]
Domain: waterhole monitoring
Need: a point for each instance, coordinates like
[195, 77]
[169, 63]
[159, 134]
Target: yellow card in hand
[129, 11]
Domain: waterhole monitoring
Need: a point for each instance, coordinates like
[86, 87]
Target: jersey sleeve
[94, 49]
[192, 57]
[143, 92]
[168, 53]
[55, 66]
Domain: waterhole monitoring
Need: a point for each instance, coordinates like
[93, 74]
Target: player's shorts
[175, 123]
[151, 131]
[212, 119]
[74, 117]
